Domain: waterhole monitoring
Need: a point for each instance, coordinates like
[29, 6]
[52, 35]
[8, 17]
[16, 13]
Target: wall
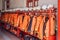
[0, 4]
[46, 2]
[22, 3]
[17, 3]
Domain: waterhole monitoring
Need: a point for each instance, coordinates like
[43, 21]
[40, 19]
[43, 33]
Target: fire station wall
[46, 2]
[0, 4]
[22, 3]
[17, 3]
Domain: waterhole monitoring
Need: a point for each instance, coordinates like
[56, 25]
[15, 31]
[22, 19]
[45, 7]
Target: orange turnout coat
[52, 25]
[15, 20]
[11, 19]
[39, 19]
[40, 30]
[33, 24]
[6, 17]
[20, 17]
[25, 23]
[3, 16]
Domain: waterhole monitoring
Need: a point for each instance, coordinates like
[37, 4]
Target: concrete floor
[4, 35]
